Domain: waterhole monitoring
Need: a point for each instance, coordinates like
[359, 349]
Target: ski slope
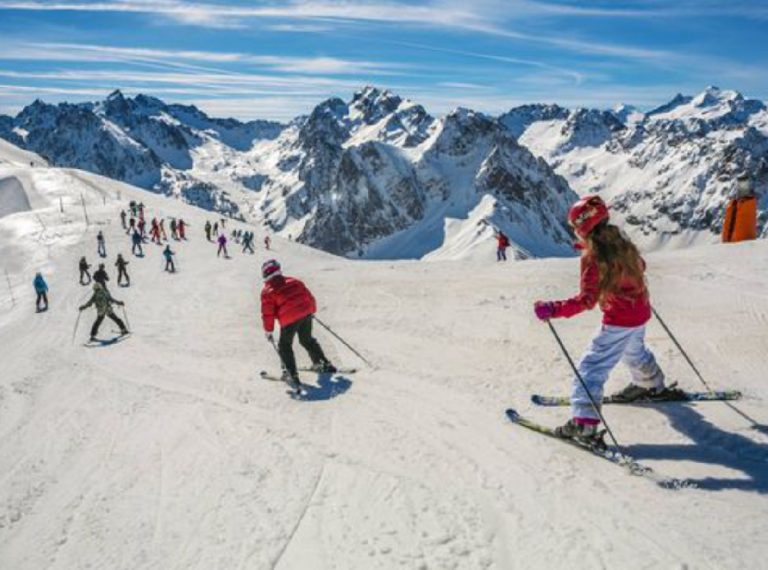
[167, 451]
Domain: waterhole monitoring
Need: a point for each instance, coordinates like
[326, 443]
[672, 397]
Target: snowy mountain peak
[627, 114]
[115, 95]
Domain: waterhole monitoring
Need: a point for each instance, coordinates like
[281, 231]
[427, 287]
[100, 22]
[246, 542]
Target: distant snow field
[168, 451]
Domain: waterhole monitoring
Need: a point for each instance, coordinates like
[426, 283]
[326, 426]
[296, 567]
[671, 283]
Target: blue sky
[276, 60]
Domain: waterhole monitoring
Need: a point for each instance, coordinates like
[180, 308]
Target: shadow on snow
[328, 387]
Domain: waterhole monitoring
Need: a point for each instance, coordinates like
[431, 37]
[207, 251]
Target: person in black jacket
[100, 276]
[83, 266]
[121, 271]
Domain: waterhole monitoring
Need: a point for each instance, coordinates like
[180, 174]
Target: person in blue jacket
[41, 288]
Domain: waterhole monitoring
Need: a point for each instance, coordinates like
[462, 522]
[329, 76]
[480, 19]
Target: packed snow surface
[167, 450]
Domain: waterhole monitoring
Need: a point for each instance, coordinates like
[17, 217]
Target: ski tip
[512, 414]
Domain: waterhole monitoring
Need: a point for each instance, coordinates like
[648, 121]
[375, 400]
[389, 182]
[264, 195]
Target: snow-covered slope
[668, 173]
[167, 451]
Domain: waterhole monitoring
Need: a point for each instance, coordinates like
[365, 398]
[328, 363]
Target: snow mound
[13, 198]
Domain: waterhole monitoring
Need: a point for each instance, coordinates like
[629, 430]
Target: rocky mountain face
[670, 172]
[138, 140]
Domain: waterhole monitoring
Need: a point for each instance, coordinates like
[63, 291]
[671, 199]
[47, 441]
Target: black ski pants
[41, 296]
[83, 274]
[121, 272]
[100, 318]
[302, 327]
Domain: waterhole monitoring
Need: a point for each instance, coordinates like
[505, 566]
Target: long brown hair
[617, 258]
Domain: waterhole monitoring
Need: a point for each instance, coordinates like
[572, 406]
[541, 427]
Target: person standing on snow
[122, 219]
[142, 226]
[155, 231]
[174, 235]
[83, 266]
[121, 271]
[612, 275]
[131, 226]
[103, 301]
[267, 242]
[170, 267]
[101, 276]
[208, 230]
[41, 289]
[216, 228]
[181, 227]
[101, 249]
[248, 242]
[502, 244]
[136, 241]
[162, 229]
[289, 302]
[222, 245]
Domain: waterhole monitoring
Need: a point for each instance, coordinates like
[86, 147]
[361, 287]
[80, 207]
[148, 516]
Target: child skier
[121, 271]
[612, 275]
[41, 289]
[83, 266]
[103, 301]
[100, 247]
[288, 301]
[168, 254]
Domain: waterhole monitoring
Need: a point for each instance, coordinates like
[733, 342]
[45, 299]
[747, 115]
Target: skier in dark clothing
[122, 219]
[83, 266]
[136, 240]
[248, 242]
[288, 301]
[208, 230]
[100, 247]
[100, 276]
[121, 271]
[170, 267]
[142, 227]
[222, 245]
[267, 242]
[103, 301]
[216, 228]
[131, 226]
[181, 226]
[174, 235]
[41, 288]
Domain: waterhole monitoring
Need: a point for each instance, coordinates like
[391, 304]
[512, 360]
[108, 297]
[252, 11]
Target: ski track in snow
[168, 451]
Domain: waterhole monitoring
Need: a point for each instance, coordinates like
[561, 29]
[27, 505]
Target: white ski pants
[610, 345]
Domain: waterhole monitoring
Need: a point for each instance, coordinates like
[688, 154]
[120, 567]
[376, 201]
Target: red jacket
[287, 300]
[503, 241]
[630, 308]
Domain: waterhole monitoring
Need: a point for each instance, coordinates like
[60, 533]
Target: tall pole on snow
[10, 288]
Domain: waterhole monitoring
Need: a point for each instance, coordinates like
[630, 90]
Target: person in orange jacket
[288, 301]
[740, 222]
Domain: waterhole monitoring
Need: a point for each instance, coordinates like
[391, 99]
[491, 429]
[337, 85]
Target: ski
[293, 392]
[607, 453]
[105, 342]
[338, 370]
[672, 396]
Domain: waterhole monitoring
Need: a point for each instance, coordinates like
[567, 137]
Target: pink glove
[544, 310]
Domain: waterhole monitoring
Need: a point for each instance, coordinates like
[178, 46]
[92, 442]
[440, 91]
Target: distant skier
[136, 241]
[612, 275]
[181, 226]
[267, 241]
[131, 225]
[222, 245]
[121, 265]
[122, 219]
[83, 266]
[155, 231]
[162, 229]
[140, 208]
[170, 267]
[208, 230]
[502, 243]
[100, 276]
[101, 248]
[142, 225]
[248, 242]
[103, 301]
[132, 207]
[41, 289]
[216, 228]
[288, 301]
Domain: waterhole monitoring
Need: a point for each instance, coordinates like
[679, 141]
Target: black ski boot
[293, 381]
[323, 367]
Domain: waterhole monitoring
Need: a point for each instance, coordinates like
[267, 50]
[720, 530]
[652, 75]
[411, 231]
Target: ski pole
[77, 322]
[279, 356]
[345, 343]
[125, 314]
[680, 348]
[584, 385]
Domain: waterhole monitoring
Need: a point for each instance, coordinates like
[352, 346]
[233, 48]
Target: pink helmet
[270, 269]
[585, 214]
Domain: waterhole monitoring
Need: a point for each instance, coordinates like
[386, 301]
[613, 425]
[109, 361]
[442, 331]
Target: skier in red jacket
[612, 275]
[288, 301]
[503, 244]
